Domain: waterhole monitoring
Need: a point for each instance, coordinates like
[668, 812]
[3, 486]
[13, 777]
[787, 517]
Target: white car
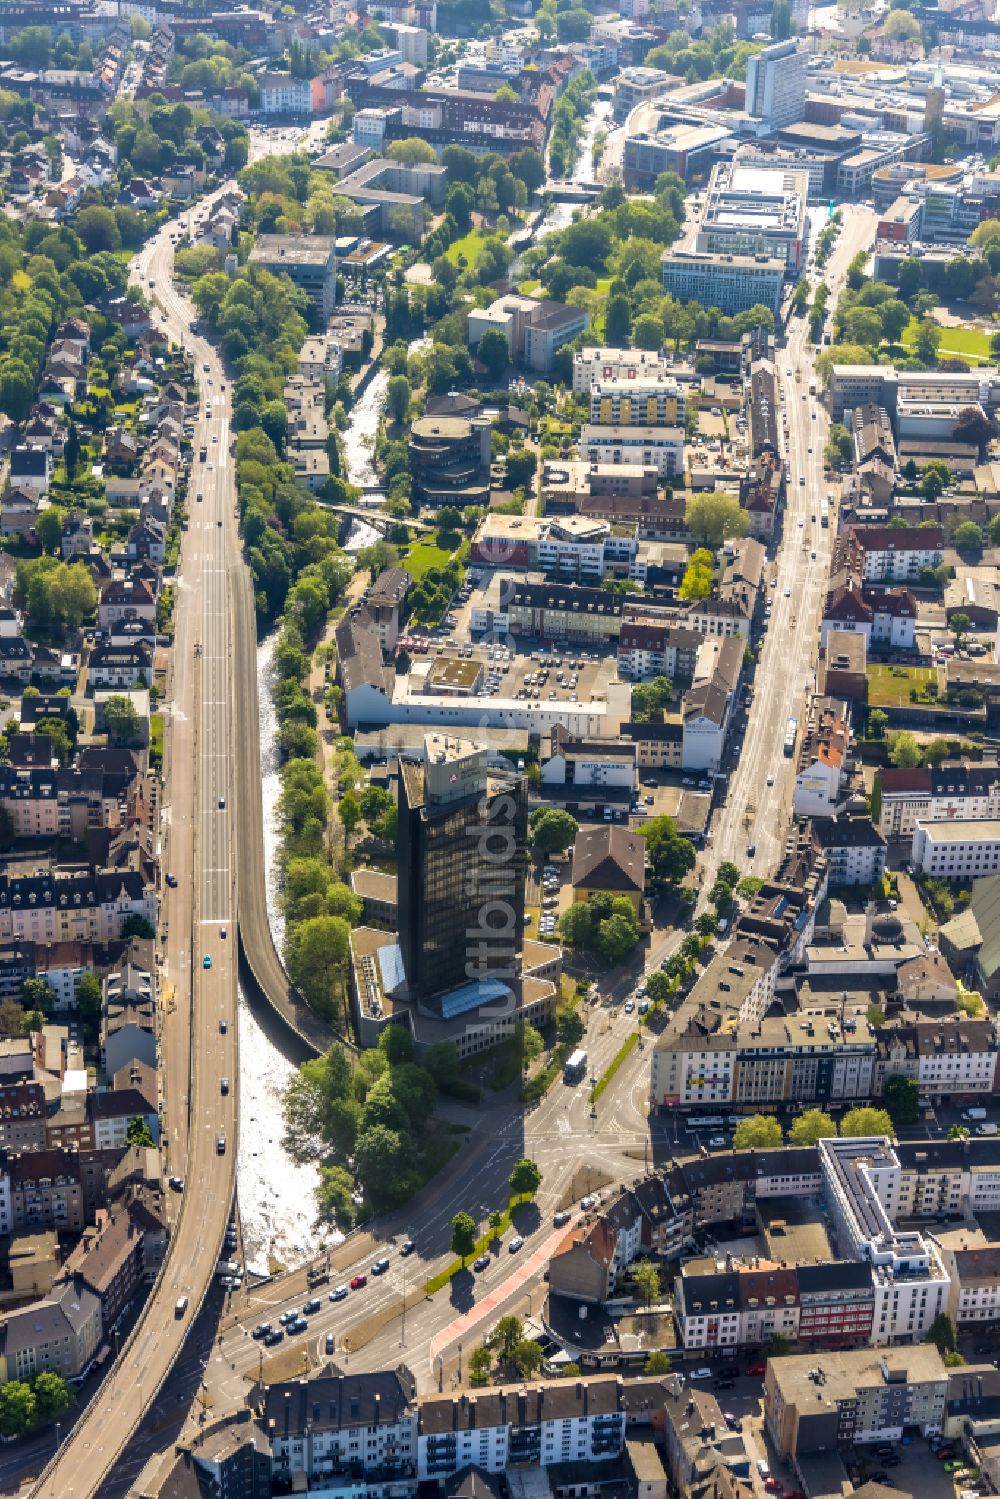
[703, 1373]
[770, 780]
[629, 1006]
[515, 1244]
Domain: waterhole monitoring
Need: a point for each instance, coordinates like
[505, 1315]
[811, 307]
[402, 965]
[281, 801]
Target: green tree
[650, 698]
[866, 1121]
[53, 1396]
[525, 1178]
[749, 887]
[18, 1408]
[317, 953]
[552, 829]
[493, 352]
[960, 625]
[967, 537]
[671, 856]
[618, 933]
[646, 1279]
[48, 529]
[758, 1132]
[927, 339]
[334, 1197]
[504, 1338]
[876, 1017]
[878, 722]
[715, 517]
[570, 1029]
[98, 229]
[943, 1334]
[618, 322]
[904, 751]
[527, 1357]
[480, 1365]
[463, 1235]
[397, 397]
[902, 1099]
[658, 987]
[88, 998]
[657, 1362]
[121, 721]
[36, 994]
[139, 1133]
[411, 151]
[811, 1126]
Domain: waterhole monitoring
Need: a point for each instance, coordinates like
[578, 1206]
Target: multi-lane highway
[757, 814]
[198, 1032]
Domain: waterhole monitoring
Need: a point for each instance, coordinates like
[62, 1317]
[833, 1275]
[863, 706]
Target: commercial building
[776, 85]
[956, 849]
[462, 851]
[308, 260]
[752, 210]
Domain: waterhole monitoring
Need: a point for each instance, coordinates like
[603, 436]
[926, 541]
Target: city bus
[791, 730]
[576, 1066]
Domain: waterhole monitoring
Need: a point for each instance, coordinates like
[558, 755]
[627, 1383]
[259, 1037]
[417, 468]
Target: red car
[772, 1485]
[943, 1454]
[756, 1369]
[358, 1282]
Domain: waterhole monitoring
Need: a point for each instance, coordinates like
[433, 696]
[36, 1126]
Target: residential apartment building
[657, 447]
[860, 1397]
[60, 1333]
[624, 400]
[861, 1186]
[934, 794]
[879, 554]
[596, 366]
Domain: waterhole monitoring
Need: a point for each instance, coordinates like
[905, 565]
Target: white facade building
[776, 85]
[960, 849]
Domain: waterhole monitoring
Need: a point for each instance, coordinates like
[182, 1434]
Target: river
[560, 215]
[276, 1193]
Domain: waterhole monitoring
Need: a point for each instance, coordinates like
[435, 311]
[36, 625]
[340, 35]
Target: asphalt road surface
[196, 1000]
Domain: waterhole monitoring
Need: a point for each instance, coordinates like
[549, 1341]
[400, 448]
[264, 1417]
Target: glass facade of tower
[462, 868]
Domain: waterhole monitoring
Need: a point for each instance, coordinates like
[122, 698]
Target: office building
[308, 260]
[732, 283]
[450, 459]
[956, 848]
[755, 210]
[462, 850]
[776, 85]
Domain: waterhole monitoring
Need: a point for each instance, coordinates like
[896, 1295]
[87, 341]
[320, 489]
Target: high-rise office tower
[776, 85]
[462, 849]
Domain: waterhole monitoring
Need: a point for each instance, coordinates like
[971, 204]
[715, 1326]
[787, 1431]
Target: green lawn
[956, 343]
[528, 288]
[469, 245]
[889, 686]
[422, 556]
